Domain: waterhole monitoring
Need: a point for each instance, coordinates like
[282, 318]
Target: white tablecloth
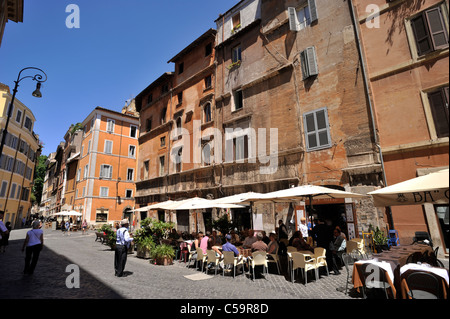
[441, 272]
[382, 264]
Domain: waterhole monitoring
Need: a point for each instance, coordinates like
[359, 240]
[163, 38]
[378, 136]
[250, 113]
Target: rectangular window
[150, 98]
[430, 31]
[236, 20]
[128, 193]
[180, 98]
[28, 123]
[162, 169]
[317, 130]
[208, 82]
[110, 126]
[146, 169]
[148, 124]
[78, 174]
[108, 147]
[439, 109]
[303, 17]
[133, 131]
[162, 141]
[3, 189]
[236, 54]
[104, 191]
[13, 190]
[132, 151]
[105, 171]
[86, 173]
[18, 116]
[89, 146]
[238, 99]
[83, 192]
[130, 174]
[309, 62]
[240, 145]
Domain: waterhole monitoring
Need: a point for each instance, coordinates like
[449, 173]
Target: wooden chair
[299, 262]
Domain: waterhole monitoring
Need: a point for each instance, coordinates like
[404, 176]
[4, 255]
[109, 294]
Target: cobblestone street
[144, 280]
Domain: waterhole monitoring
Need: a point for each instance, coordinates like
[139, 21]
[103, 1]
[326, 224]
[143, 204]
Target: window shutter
[309, 62]
[437, 28]
[317, 130]
[312, 61]
[423, 41]
[439, 109]
[312, 10]
[293, 24]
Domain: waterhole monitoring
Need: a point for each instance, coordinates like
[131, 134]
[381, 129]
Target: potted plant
[110, 234]
[144, 243]
[380, 240]
[163, 254]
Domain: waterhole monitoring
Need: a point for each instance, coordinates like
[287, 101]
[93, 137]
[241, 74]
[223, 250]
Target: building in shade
[106, 172]
[18, 159]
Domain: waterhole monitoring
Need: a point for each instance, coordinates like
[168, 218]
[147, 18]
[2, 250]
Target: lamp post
[39, 78]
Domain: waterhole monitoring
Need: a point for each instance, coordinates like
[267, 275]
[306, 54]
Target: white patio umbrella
[68, 213]
[432, 188]
[154, 206]
[303, 192]
[241, 199]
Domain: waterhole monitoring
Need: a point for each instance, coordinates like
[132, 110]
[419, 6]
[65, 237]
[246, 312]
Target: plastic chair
[259, 258]
[290, 249]
[275, 259]
[422, 237]
[373, 278]
[212, 258]
[423, 285]
[230, 259]
[321, 260]
[393, 239]
[299, 261]
[200, 257]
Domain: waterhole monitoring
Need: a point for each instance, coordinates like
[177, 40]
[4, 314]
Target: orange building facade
[106, 171]
[405, 44]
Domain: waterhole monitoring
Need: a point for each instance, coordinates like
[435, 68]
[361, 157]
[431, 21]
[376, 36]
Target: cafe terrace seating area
[410, 271]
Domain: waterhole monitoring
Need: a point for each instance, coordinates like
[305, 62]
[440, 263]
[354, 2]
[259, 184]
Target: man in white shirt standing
[122, 244]
[303, 228]
[3, 229]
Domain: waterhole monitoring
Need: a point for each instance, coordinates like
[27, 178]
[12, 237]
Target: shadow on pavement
[49, 278]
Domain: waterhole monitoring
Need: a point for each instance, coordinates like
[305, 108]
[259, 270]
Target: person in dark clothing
[322, 234]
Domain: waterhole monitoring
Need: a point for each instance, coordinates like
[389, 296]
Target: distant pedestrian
[67, 228]
[33, 243]
[3, 230]
[84, 226]
[123, 241]
[4, 241]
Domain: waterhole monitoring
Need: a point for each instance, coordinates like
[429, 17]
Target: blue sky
[120, 48]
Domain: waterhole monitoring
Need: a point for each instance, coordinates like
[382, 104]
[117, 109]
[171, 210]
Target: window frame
[317, 131]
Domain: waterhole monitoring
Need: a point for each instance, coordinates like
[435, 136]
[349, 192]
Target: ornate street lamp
[39, 78]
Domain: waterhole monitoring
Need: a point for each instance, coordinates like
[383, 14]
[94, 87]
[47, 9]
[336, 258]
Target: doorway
[442, 213]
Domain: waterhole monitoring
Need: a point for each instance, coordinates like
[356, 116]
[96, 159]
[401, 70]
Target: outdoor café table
[357, 277]
[396, 257]
[406, 270]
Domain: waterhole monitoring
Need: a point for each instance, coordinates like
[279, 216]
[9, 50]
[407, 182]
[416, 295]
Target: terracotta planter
[164, 261]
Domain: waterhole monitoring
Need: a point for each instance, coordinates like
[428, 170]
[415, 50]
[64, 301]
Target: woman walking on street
[33, 243]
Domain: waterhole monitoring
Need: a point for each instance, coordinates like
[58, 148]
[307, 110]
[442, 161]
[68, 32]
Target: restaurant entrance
[242, 217]
[332, 214]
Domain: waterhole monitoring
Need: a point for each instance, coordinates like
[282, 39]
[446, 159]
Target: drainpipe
[366, 86]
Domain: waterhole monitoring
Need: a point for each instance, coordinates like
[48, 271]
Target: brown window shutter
[421, 35]
[437, 29]
[439, 109]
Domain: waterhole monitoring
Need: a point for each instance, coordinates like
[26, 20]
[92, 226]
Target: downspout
[366, 86]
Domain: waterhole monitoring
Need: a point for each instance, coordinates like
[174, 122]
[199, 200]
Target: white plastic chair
[229, 259]
[321, 259]
[299, 261]
[275, 259]
[212, 258]
[201, 257]
[259, 258]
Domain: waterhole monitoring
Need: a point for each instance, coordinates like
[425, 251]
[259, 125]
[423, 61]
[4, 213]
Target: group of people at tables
[275, 243]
